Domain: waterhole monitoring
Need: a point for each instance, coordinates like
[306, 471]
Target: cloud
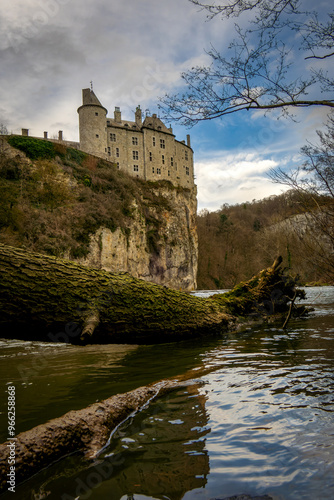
[233, 179]
[133, 52]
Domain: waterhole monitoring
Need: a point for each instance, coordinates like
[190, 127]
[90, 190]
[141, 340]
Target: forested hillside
[236, 241]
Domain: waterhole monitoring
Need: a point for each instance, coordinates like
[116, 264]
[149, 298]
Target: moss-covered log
[48, 298]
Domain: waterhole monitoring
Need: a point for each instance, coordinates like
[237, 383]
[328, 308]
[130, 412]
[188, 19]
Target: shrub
[76, 155]
[33, 148]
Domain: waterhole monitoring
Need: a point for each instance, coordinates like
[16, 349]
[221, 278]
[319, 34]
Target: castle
[145, 149]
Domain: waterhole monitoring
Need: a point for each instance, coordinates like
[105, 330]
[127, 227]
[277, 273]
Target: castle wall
[159, 149]
[125, 147]
[185, 164]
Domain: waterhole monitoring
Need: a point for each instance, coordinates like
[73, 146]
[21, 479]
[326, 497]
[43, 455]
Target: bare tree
[3, 129]
[313, 183]
[258, 71]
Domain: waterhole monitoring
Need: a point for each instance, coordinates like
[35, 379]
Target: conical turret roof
[90, 99]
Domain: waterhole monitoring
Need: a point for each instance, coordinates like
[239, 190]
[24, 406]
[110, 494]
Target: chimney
[45, 135]
[117, 115]
[188, 140]
[25, 132]
[138, 117]
[60, 135]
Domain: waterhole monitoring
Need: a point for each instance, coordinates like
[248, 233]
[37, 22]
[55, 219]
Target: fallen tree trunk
[54, 299]
[43, 297]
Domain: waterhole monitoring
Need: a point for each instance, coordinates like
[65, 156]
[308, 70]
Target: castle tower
[92, 124]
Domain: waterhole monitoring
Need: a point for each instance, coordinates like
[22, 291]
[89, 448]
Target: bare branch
[320, 57]
[259, 72]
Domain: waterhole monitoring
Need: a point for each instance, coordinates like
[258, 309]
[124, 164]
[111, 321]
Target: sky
[134, 52]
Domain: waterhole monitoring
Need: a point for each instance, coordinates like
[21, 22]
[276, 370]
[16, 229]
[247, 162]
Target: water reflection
[164, 448]
[158, 453]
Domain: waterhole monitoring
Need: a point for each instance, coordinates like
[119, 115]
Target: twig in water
[290, 311]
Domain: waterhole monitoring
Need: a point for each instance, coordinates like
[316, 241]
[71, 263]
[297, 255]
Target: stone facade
[145, 149]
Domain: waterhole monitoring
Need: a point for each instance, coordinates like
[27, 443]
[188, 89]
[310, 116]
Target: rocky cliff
[166, 255]
[66, 203]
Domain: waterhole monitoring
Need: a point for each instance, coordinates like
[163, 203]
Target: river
[260, 423]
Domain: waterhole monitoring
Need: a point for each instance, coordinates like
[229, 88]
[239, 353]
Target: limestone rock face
[165, 253]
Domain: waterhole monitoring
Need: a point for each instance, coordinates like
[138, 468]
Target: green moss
[265, 293]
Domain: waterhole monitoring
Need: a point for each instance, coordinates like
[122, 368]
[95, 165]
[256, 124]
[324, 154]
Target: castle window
[186, 155]
[135, 155]
[187, 170]
[163, 159]
[151, 157]
[135, 168]
[135, 141]
[168, 173]
[159, 171]
[113, 137]
[159, 127]
[152, 170]
[117, 152]
[171, 162]
[109, 153]
[117, 165]
[153, 141]
[162, 143]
